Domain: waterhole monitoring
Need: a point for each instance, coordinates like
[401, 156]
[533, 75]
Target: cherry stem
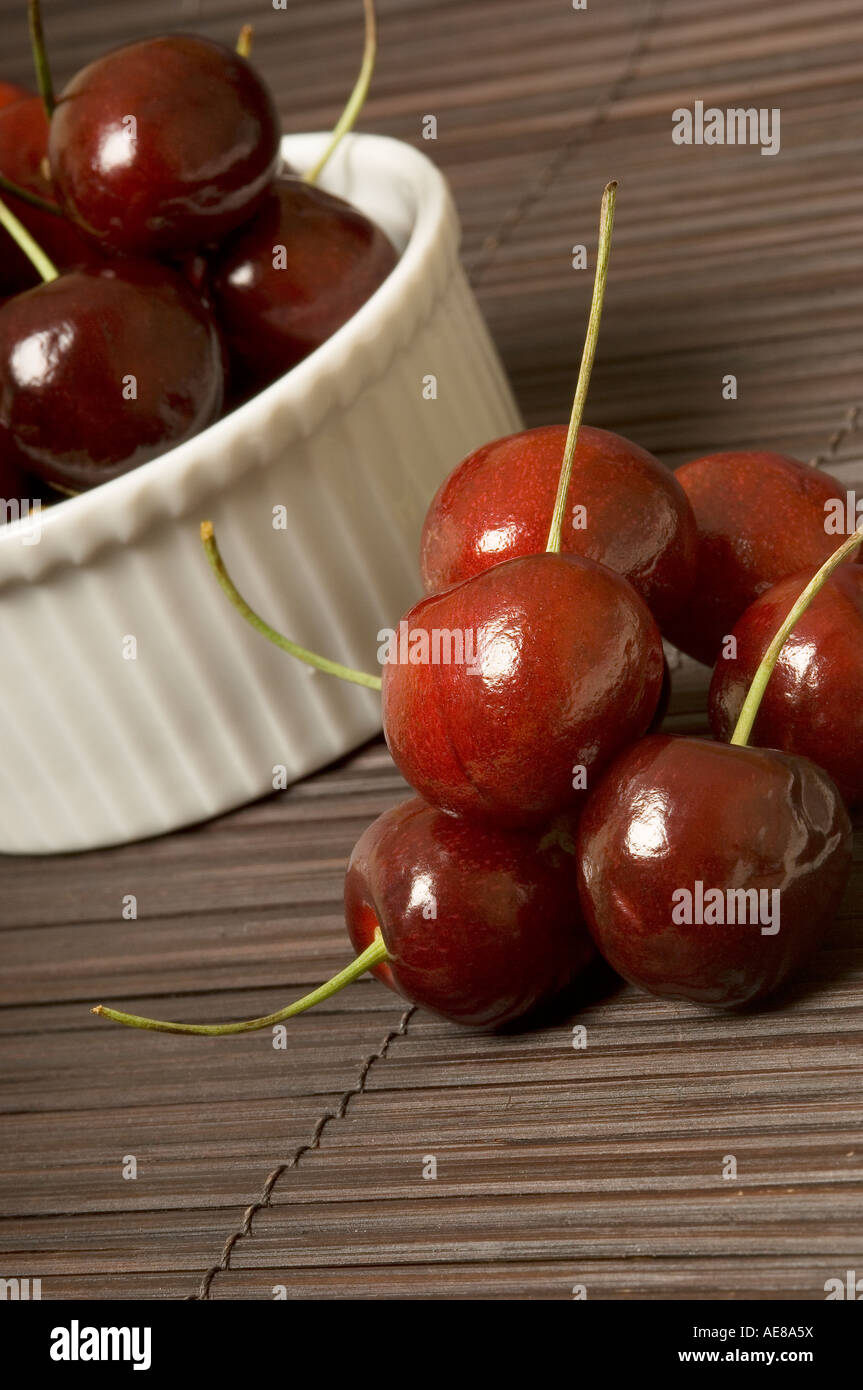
[43, 204]
[32, 250]
[373, 955]
[321, 663]
[244, 41]
[357, 96]
[606, 223]
[40, 57]
[750, 707]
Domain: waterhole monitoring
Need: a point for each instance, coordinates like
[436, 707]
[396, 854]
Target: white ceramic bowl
[99, 748]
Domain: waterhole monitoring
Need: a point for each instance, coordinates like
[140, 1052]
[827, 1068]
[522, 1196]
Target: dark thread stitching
[850, 425]
[516, 213]
[313, 1143]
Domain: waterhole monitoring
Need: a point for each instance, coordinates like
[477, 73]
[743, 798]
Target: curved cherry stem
[244, 41]
[751, 705]
[321, 663]
[606, 223]
[356, 98]
[31, 248]
[43, 204]
[40, 57]
[373, 955]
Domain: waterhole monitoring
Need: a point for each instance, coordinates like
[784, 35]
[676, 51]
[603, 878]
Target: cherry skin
[760, 517]
[674, 811]
[23, 147]
[10, 93]
[498, 501]
[276, 309]
[203, 149]
[664, 700]
[812, 705]
[569, 670]
[12, 485]
[482, 925]
[69, 410]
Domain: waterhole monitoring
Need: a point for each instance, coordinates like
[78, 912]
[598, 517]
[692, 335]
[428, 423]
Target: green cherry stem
[751, 705]
[32, 250]
[43, 204]
[606, 223]
[244, 41]
[321, 663]
[357, 96]
[40, 57]
[373, 955]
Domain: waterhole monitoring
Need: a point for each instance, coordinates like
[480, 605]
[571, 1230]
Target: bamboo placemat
[262, 1170]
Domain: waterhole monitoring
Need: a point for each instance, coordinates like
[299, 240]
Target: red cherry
[812, 705]
[23, 150]
[664, 700]
[481, 925]
[283, 284]
[760, 517]
[673, 813]
[496, 504]
[10, 93]
[568, 670]
[103, 370]
[12, 485]
[163, 145]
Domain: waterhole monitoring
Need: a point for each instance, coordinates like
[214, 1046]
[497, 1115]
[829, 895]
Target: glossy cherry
[286, 282]
[709, 871]
[12, 486]
[813, 704]
[568, 670]
[23, 147]
[673, 813]
[624, 508]
[481, 925]
[10, 92]
[163, 145]
[102, 370]
[760, 518]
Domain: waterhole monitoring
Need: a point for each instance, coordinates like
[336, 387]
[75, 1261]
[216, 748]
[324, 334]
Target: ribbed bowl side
[100, 749]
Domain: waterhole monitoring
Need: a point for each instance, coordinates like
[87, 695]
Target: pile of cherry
[159, 262]
[551, 820]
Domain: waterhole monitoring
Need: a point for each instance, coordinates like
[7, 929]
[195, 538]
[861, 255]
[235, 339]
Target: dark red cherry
[10, 93]
[12, 486]
[664, 699]
[624, 508]
[23, 149]
[163, 145]
[813, 704]
[675, 828]
[283, 284]
[481, 924]
[102, 370]
[563, 667]
[760, 518]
